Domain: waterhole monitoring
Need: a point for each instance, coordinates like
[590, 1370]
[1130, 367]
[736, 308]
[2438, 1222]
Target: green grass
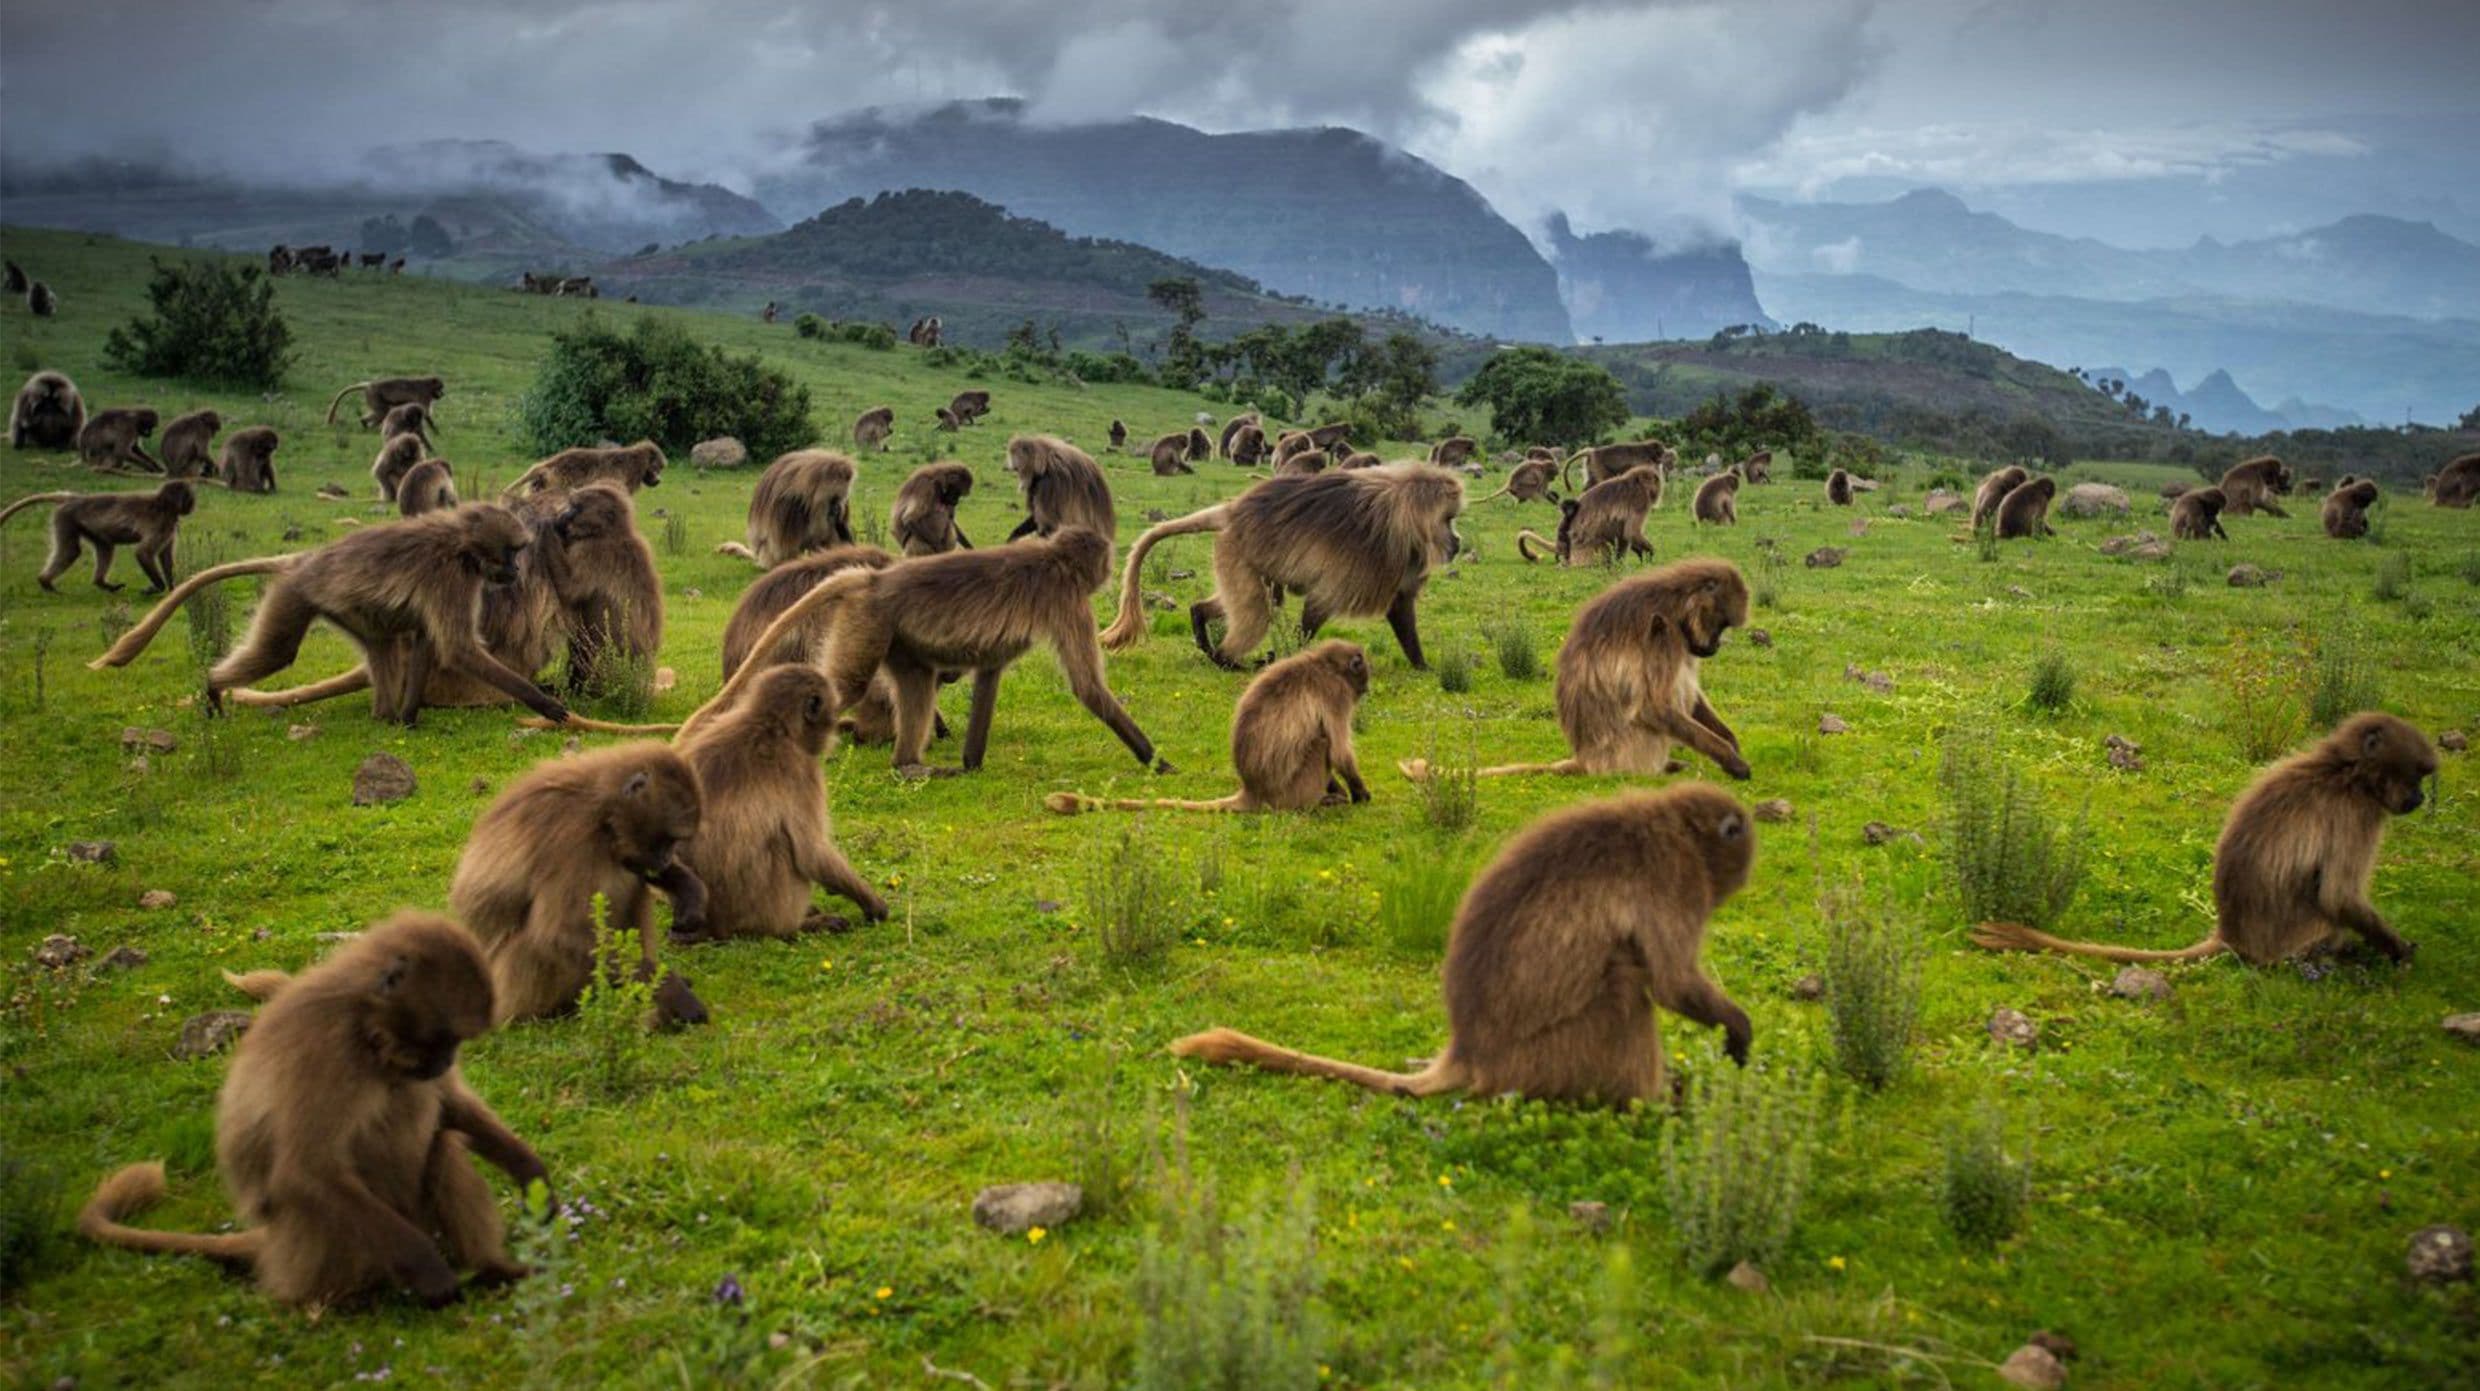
[2226, 1184]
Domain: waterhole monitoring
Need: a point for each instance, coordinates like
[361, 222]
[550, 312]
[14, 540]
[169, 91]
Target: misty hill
[1329, 213]
[1620, 287]
[2217, 404]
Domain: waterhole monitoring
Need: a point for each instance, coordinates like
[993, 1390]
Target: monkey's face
[650, 469]
[494, 540]
[593, 513]
[1352, 661]
[430, 997]
[146, 422]
[213, 421]
[183, 498]
[2390, 760]
[1717, 606]
[653, 813]
[1724, 832]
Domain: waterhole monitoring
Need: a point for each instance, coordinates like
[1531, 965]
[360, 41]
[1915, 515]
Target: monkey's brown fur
[969, 406]
[396, 458]
[872, 427]
[609, 590]
[1291, 739]
[632, 466]
[922, 520]
[2292, 869]
[2345, 511]
[1586, 921]
[1200, 444]
[2252, 485]
[113, 440]
[1301, 463]
[2196, 515]
[40, 301]
[384, 394]
[1608, 519]
[609, 822]
[411, 418]
[1063, 487]
[1530, 482]
[386, 587]
[47, 413]
[149, 521]
[1838, 488]
[766, 837]
[2457, 484]
[1351, 544]
[428, 486]
[248, 464]
[2025, 512]
[1758, 467]
[1248, 446]
[1992, 491]
[343, 1127]
[1169, 455]
[1232, 429]
[188, 445]
[1360, 459]
[1611, 460]
[1452, 452]
[974, 611]
[802, 503]
[1119, 434]
[871, 720]
[1717, 499]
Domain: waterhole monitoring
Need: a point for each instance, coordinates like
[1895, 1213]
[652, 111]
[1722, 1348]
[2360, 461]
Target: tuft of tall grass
[1128, 897]
[1735, 1164]
[1417, 899]
[2260, 709]
[1518, 658]
[1229, 1299]
[33, 1213]
[1455, 671]
[1873, 968]
[613, 1011]
[1772, 568]
[1451, 794]
[1982, 1193]
[676, 534]
[2470, 568]
[2053, 682]
[2393, 580]
[2342, 681]
[2012, 861]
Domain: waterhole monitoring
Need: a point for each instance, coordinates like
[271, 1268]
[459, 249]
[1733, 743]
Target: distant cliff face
[1621, 288]
[1328, 213]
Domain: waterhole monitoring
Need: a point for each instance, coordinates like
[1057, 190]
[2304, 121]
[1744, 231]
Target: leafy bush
[809, 326]
[1873, 965]
[1518, 658]
[613, 1010]
[2053, 683]
[656, 382]
[1735, 1165]
[875, 336]
[1540, 396]
[1981, 1192]
[2012, 862]
[1455, 671]
[213, 323]
[1099, 369]
[2470, 568]
[1451, 794]
[1128, 896]
[1229, 1302]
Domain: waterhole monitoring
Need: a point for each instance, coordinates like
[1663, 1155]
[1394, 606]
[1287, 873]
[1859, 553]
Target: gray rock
[124, 958]
[154, 899]
[1877, 681]
[1826, 557]
[2125, 755]
[2033, 1367]
[136, 740]
[94, 852]
[1747, 1279]
[382, 778]
[1878, 833]
[2123, 545]
[1943, 500]
[1898, 510]
[2463, 1026]
[2140, 983]
[1593, 1217]
[291, 534]
[1012, 1209]
[1760, 637]
[1183, 574]
[2244, 576]
[1809, 987]
[58, 950]
[2150, 550]
[2453, 741]
[2093, 500]
[202, 1034]
[723, 451]
[1160, 602]
[1156, 514]
[2015, 1029]
[1774, 811]
[1832, 724]
[299, 732]
[2439, 1255]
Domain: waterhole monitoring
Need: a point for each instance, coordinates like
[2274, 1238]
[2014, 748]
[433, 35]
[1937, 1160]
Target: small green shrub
[2393, 577]
[1417, 899]
[2012, 861]
[613, 1011]
[1518, 658]
[874, 336]
[676, 534]
[2342, 681]
[1129, 900]
[213, 323]
[2053, 683]
[1773, 567]
[1873, 966]
[1455, 671]
[208, 614]
[2260, 708]
[809, 326]
[656, 382]
[1451, 794]
[33, 1216]
[1985, 542]
[1981, 1192]
[1735, 1165]
[1229, 1301]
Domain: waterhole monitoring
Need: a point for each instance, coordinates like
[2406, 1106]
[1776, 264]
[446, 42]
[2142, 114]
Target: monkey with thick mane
[1248, 446]
[1291, 739]
[1608, 520]
[2345, 509]
[1611, 460]
[149, 521]
[1453, 452]
[248, 464]
[1757, 467]
[1301, 463]
[1231, 431]
[1838, 488]
[1063, 487]
[1582, 924]
[428, 486]
[2196, 515]
[396, 457]
[802, 503]
[343, 1127]
[1352, 545]
[2251, 486]
[2292, 868]
[632, 466]
[610, 593]
[922, 519]
[47, 413]
[411, 418]
[1992, 491]
[870, 720]
[383, 394]
[967, 407]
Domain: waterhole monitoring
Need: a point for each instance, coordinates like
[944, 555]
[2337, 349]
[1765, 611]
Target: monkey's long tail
[331, 406]
[346, 683]
[1998, 936]
[133, 1189]
[593, 726]
[1527, 534]
[261, 986]
[1233, 1046]
[1070, 803]
[133, 642]
[25, 502]
[523, 480]
[1418, 769]
[834, 590]
[1128, 625]
[739, 549]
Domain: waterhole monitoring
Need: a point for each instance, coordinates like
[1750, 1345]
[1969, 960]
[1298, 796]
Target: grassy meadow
[2222, 1183]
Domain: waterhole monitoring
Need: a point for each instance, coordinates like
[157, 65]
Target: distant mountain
[1621, 288]
[1328, 213]
[2215, 404]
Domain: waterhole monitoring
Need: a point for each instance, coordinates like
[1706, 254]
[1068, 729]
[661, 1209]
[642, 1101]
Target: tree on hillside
[1541, 396]
[1183, 362]
[1180, 295]
[656, 382]
[2470, 420]
[213, 323]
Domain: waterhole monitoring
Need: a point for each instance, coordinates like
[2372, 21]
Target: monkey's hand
[433, 1281]
[1738, 768]
[495, 1274]
[1737, 1034]
[687, 892]
[1163, 765]
[674, 1002]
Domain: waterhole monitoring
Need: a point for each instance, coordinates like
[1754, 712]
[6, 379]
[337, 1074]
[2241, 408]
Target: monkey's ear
[812, 709]
[1732, 827]
[636, 785]
[1710, 586]
[393, 976]
[2371, 741]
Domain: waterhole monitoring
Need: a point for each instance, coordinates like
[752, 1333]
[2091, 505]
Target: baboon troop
[248, 463]
[1246, 420]
[922, 520]
[1838, 488]
[1359, 459]
[2025, 511]
[605, 825]
[1169, 456]
[384, 394]
[802, 503]
[1291, 739]
[1248, 446]
[1350, 544]
[1717, 500]
[610, 593]
[632, 466]
[2292, 869]
[872, 427]
[188, 445]
[871, 719]
[2250, 487]
[1582, 924]
[2196, 515]
[151, 522]
[1063, 487]
[48, 413]
[342, 1131]
[396, 458]
[1608, 520]
[2345, 510]
[571, 286]
[426, 487]
[411, 418]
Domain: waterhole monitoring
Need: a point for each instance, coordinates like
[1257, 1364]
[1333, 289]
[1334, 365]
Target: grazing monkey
[248, 464]
[1838, 488]
[1530, 481]
[2025, 512]
[872, 719]
[1291, 739]
[1608, 519]
[609, 823]
[609, 590]
[632, 466]
[427, 487]
[149, 521]
[1611, 460]
[948, 419]
[1231, 430]
[1629, 682]
[1992, 491]
[1301, 463]
[113, 440]
[1351, 544]
[2346, 509]
[189, 445]
[801, 504]
[1063, 487]
[1249, 447]
[1758, 467]
[1561, 949]
[922, 521]
[1453, 452]
[48, 413]
[1200, 444]
[396, 458]
[871, 429]
[2457, 484]
[1119, 435]
[40, 301]
[766, 837]
[1717, 500]
[383, 394]
[411, 418]
[2292, 869]
[1169, 455]
[1361, 459]
[969, 406]
[2252, 485]
[343, 1127]
[974, 611]
[411, 588]
[2196, 515]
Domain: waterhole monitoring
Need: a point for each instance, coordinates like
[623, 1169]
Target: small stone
[2245, 576]
[1943, 500]
[1760, 637]
[1826, 557]
[2453, 741]
[1047, 905]
[2018, 591]
[2150, 550]
[292, 534]
[331, 491]
[2092, 500]
[1012, 1209]
[1859, 526]
[1877, 681]
[2140, 983]
[157, 898]
[722, 451]
[2015, 1029]
[2125, 755]
[693, 592]
[299, 732]
[1832, 724]
[1156, 514]
[202, 1034]
[1809, 987]
[1878, 833]
[480, 787]
[382, 778]
[1898, 510]
[1747, 1279]
[1183, 574]
[2440, 1254]
[2463, 1026]
[2035, 1367]
[58, 950]
[665, 679]
[123, 958]
[1160, 602]
[2122, 545]
[134, 739]
[1593, 1217]
[2059, 1345]
[1774, 810]
[94, 852]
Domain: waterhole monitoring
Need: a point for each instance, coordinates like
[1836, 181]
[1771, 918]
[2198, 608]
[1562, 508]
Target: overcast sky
[2135, 117]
